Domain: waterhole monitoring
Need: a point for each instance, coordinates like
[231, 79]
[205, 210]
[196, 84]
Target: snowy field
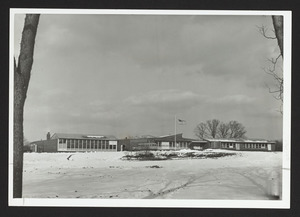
[246, 175]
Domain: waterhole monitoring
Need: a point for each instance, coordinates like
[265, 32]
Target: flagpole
[175, 133]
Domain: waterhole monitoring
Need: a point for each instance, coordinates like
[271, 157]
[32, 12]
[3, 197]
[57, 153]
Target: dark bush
[190, 154]
[147, 155]
[169, 155]
[219, 154]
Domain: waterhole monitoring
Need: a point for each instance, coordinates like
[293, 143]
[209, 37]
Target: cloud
[167, 98]
[233, 99]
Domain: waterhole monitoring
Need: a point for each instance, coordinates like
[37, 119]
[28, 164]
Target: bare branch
[278, 32]
[263, 30]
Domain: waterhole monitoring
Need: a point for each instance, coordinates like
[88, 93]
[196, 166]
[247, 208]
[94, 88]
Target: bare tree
[236, 130]
[22, 72]
[223, 130]
[212, 126]
[277, 91]
[278, 31]
[201, 131]
[216, 129]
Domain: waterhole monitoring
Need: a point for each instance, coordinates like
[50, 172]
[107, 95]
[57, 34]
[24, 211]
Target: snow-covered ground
[246, 175]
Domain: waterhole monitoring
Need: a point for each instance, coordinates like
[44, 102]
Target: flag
[180, 121]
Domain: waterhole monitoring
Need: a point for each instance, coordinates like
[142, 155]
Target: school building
[64, 142]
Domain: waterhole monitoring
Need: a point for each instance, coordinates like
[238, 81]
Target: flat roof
[82, 136]
[239, 140]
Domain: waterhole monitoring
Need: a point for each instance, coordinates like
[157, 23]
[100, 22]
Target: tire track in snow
[168, 191]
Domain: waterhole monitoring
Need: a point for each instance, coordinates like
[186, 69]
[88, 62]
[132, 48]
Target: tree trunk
[21, 81]
[278, 26]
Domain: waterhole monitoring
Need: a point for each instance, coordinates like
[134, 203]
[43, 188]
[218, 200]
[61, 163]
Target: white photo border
[174, 203]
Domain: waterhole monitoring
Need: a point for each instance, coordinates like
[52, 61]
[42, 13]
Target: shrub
[147, 155]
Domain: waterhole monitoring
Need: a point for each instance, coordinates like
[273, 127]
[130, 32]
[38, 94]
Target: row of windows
[84, 144]
[228, 145]
[81, 141]
[172, 144]
[246, 145]
[179, 144]
[255, 145]
[82, 147]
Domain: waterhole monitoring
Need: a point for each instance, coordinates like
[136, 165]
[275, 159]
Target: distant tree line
[212, 129]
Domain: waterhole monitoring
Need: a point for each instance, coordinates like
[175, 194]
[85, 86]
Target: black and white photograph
[150, 108]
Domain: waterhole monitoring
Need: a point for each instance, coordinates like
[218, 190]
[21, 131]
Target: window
[62, 141]
[71, 143]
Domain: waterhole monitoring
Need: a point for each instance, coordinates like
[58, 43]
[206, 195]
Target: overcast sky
[129, 75]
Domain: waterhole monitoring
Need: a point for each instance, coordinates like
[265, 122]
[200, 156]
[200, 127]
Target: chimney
[48, 136]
